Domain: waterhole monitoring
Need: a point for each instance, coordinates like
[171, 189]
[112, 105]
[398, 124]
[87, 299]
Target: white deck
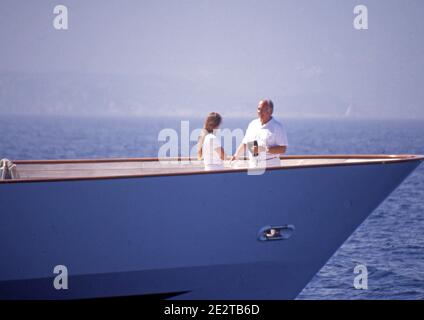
[128, 168]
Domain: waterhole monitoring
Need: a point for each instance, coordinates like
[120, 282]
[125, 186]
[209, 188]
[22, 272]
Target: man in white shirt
[265, 138]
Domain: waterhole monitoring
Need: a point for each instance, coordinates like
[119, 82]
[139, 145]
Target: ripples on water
[390, 242]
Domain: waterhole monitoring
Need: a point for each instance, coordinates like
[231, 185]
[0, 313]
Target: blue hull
[190, 236]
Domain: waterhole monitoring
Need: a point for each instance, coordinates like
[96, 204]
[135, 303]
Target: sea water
[390, 243]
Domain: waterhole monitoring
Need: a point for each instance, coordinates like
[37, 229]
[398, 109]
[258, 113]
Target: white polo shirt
[268, 135]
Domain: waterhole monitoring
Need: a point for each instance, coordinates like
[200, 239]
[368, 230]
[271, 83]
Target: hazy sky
[275, 48]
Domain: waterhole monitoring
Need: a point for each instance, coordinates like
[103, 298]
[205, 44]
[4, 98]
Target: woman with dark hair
[209, 146]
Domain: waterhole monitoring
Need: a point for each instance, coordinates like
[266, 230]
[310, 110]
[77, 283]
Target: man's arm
[273, 150]
[277, 149]
[280, 141]
[241, 148]
[243, 145]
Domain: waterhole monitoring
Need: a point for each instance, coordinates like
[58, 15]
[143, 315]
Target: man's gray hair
[270, 104]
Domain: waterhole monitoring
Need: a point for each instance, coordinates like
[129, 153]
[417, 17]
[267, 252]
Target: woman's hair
[212, 122]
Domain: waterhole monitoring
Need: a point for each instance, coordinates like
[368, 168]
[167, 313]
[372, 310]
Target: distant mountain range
[112, 95]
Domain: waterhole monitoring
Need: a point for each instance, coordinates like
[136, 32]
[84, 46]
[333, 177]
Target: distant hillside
[109, 95]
